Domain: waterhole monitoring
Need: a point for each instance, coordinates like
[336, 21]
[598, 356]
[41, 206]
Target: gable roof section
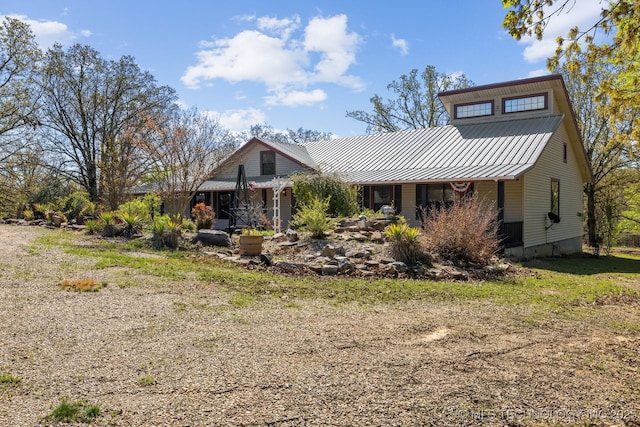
[294, 152]
[496, 150]
[554, 82]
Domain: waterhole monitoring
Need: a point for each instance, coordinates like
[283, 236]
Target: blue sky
[297, 63]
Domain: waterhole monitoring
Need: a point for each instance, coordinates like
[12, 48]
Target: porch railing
[511, 234]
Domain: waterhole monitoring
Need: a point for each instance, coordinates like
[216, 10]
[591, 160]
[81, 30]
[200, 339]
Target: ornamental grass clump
[465, 234]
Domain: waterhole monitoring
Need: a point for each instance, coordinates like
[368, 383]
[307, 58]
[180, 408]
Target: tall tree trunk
[592, 232]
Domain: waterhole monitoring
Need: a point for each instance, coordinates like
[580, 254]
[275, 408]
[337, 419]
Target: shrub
[342, 197]
[147, 207]
[189, 225]
[465, 234]
[77, 205]
[203, 215]
[405, 245]
[313, 217]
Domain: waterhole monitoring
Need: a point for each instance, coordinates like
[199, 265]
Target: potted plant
[251, 242]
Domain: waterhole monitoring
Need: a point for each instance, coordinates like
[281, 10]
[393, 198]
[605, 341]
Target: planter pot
[251, 245]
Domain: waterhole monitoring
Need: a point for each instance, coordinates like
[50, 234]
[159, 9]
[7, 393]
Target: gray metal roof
[495, 150]
[296, 152]
[268, 181]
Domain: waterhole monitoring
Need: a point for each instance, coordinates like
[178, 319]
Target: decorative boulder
[212, 238]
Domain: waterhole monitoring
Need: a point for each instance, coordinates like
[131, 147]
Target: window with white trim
[477, 109]
[525, 103]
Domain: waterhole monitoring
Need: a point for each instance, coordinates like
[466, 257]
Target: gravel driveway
[177, 353]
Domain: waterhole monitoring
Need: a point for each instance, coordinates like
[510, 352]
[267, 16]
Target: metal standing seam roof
[494, 150]
[497, 150]
[296, 152]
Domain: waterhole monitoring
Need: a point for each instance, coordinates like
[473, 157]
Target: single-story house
[516, 143]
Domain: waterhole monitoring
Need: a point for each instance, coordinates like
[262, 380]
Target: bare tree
[290, 136]
[184, 149]
[416, 104]
[91, 105]
[19, 55]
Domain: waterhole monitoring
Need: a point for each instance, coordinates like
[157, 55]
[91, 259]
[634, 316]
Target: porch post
[277, 188]
[501, 228]
[501, 201]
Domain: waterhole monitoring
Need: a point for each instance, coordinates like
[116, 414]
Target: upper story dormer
[538, 96]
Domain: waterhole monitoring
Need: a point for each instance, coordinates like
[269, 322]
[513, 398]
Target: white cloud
[582, 14]
[47, 33]
[283, 27]
[400, 44]
[278, 56]
[337, 47]
[238, 120]
[294, 98]
[250, 55]
[539, 72]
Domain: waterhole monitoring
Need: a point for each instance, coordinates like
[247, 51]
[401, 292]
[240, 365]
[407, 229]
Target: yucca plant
[132, 224]
[108, 222]
[174, 231]
[404, 244]
[166, 232]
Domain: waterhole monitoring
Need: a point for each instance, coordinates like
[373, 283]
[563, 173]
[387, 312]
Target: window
[376, 196]
[564, 152]
[435, 196]
[524, 103]
[555, 197]
[222, 204]
[477, 109]
[267, 163]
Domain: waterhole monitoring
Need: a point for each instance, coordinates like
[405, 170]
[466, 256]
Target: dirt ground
[177, 353]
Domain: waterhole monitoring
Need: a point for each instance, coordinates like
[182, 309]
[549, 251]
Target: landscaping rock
[346, 265]
[377, 237]
[212, 238]
[290, 266]
[328, 251]
[398, 266]
[329, 270]
[266, 259]
[292, 235]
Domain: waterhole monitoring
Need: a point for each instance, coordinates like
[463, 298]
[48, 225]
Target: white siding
[408, 208]
[251, 161]
[487, 190]
[513, 201]
[537, 188]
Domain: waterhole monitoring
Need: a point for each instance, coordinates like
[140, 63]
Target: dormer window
[476, 109]
[267, 163]
[524, 103]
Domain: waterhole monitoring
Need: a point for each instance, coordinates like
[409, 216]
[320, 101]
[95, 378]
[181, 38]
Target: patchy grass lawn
[179, 338]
